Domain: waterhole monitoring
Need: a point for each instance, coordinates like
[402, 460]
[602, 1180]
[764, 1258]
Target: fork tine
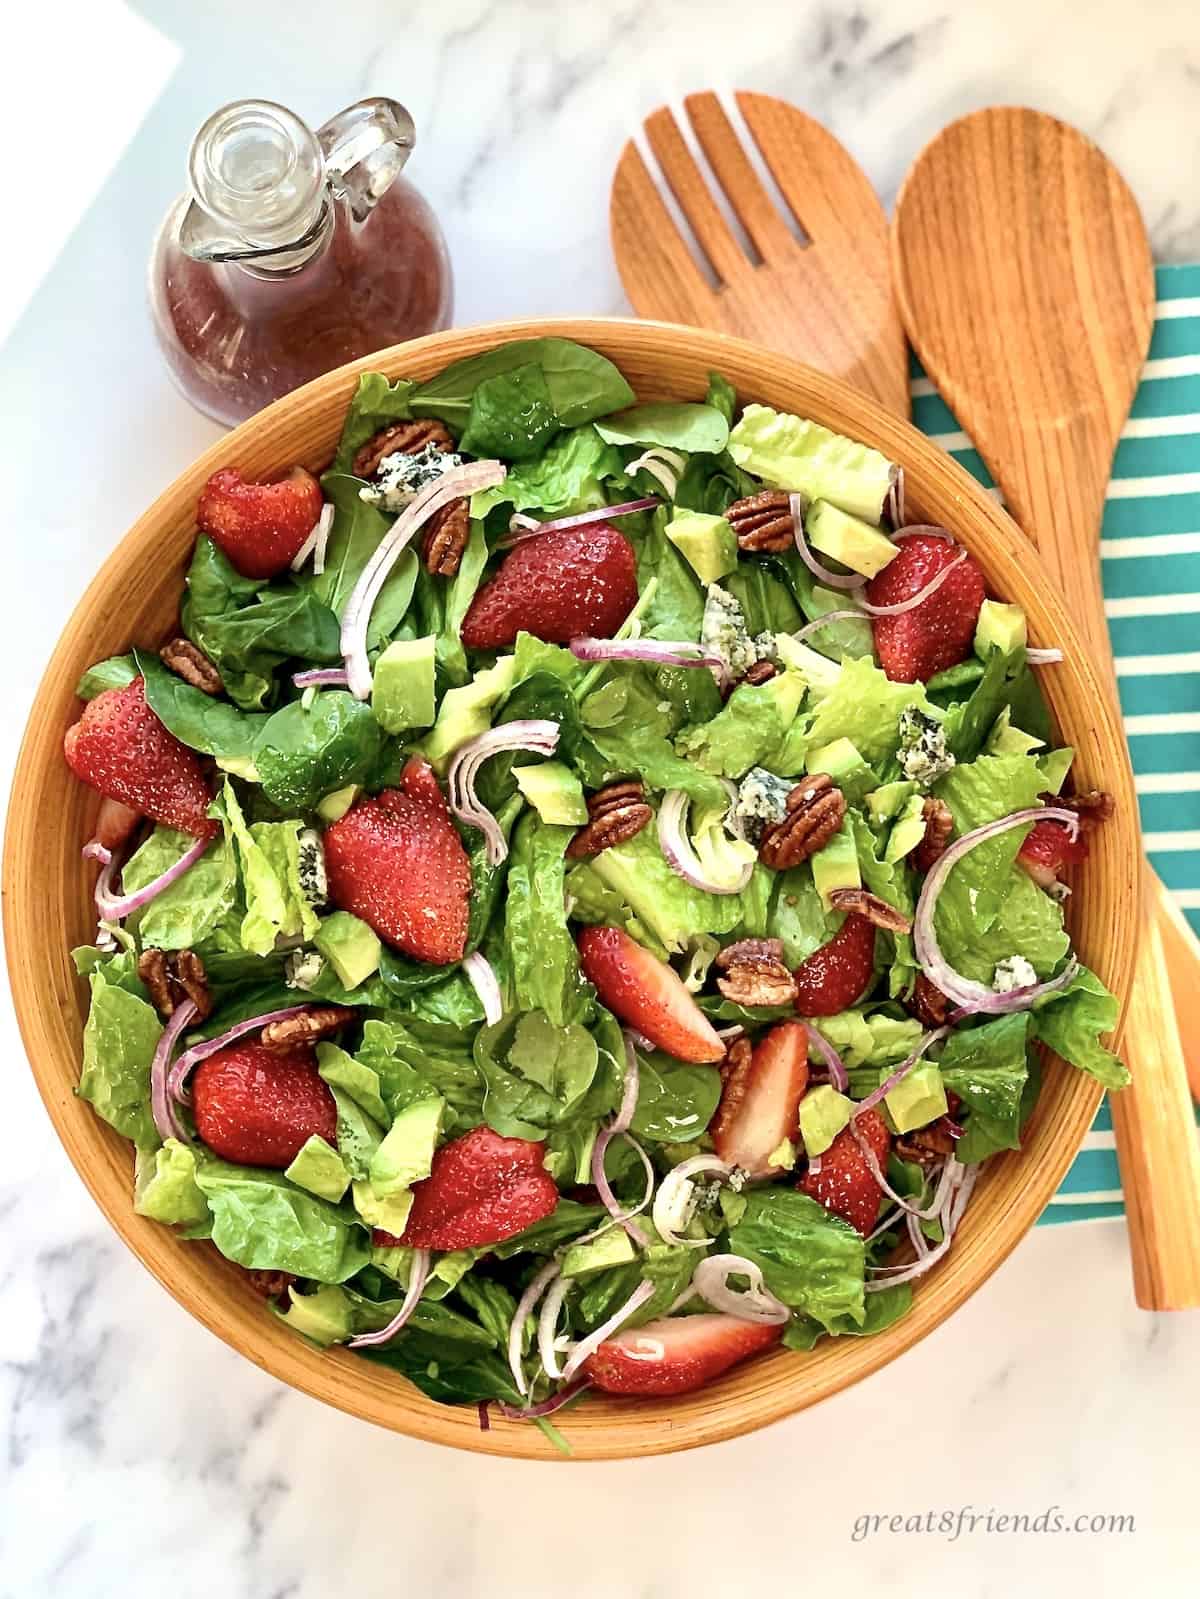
[687, 184]
[743, 188]
[800, 155]
[668, 283]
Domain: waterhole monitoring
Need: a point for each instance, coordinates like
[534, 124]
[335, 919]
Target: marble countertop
[140, 1457]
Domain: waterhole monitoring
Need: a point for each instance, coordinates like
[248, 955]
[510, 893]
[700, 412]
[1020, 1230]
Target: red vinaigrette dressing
[294, 253]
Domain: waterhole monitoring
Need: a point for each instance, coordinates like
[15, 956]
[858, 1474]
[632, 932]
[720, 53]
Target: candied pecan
[762, 521]
[877, 911]
[319, 1021]
[271, 1284]
[401, 438]
[927, 1002]
[615, 813]
[192, 665]
[173, 978]
[939, 827]
[815, 810]
[926, 1145]
[187, 970]
[1094, 805]
[152, 969]
[446, 538]
[735, 1082]
[760, 672]
[755, 973]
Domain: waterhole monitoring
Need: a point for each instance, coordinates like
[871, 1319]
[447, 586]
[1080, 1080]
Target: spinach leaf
[677, 607]
[197, 719]
[376, 403]
[545, 963]
[119, 1041]
[678, 426]
[986, 1067]
[722, 395]
[809, 1258]
[675, 1103]
[303, 752]
[358, 528]
[411, 1067]
[265, 1223]
[765, 599]
[116, 672]
[536, 1074]
[450, 1373]
[512, 416]
[882, 1309]
[438, 607]
[582, 385]
[567, 477]
[565, 1222]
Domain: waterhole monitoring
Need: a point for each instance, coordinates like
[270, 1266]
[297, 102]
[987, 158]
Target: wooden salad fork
[1026, 284]
[826, 300]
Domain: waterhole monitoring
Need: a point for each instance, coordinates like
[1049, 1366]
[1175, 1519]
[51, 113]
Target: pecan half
[762, 521]
[192, 665]
[446, 538]
[271, 1285]
[1093, 805]
[815, 810]
[172, 978]
[926, 1145]
[939, 829]
[313, 1024]
[615, 814]
[755, 973]
[401, 438]
[760, 672]
[735, 1083]
[877, 911]
[927, 1002]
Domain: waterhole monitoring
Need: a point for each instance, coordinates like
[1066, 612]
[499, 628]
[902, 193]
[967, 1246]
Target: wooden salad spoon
[827, 301]
[1026, 285]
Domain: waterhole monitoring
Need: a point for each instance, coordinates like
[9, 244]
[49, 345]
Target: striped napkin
[1153, 609]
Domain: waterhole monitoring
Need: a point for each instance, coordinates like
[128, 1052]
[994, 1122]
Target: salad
[581, 892]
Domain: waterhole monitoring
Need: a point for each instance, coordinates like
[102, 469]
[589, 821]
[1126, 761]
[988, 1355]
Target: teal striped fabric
[1150, 550]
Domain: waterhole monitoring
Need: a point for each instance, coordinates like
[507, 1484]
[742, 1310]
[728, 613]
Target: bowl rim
[604, 1429]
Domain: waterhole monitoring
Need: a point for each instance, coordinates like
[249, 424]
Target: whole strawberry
[481, 1189]
[121, 748]
[397, 862]
[259, 526]
[844, 1183]
[256, 1107]
[938, 633]
[557, 587]
[840, 972]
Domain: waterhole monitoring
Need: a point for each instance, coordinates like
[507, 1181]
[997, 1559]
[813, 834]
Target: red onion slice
[673, 1201]
[316, 542]
[678, 852]
[601, 513]
[758, 1304]
[837, 1069]
[957, 988]
[959, 1188]
[664, 465]
[927, 529]
[179, 1072]
[620, 1124]
[486, 985]
[541, 737]
[833, 580]
[326, 677]
[547, 1327]
[920, 596]
[1018, 998]
[94, 850]
[418, 1276]
[534, 1290]
[901, 1072]
[893, 505]
[113, 907]
[922, 1213]
[660, 652]
[587, 1346]
[459, 482]
[1048, 657]
[163, 1111]
[546, 1407]
[810, 628]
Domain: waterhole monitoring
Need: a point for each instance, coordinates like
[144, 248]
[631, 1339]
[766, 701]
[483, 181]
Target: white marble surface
[138, 1456]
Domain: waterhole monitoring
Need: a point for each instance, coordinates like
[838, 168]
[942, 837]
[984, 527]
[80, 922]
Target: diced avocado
[467, 711]
[334, 806]
[613, 1248]
[818, 671]
[846, 766]
[324, 1316]
[823, 1114]
[1005, 739]
[1000, 627]
[406, 1154]
[888, 801]
[791, 452]
[787, 689]
[359, 1081]
[350, 946]
[1054, 766]
[835, 866]
[319, 1168]
[707, 543]
[848, 539]
[783, 1156]
[165, 1186]
[918, 1099]
[402, 687]
[554, 791]
[389, 1214]
[907, 831]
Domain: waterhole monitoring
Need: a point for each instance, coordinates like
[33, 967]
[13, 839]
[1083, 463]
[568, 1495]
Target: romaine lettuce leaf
[864, 706]
[375, 405]
[185, 914]
[1071, 1021]
[119, 1040]
[797, 914]
[893, 882]
[882, 1309]
[269, 853]
[810, 1259]
[793, 453]
[677, 425]
[673, 910]
[165, 1187]
[568, 477]
[986, 1066]
[870, 1036]
[265, 1223]
[676, 607]
[743, 734]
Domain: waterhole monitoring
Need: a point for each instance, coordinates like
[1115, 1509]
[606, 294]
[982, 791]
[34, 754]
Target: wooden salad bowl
[48, 897]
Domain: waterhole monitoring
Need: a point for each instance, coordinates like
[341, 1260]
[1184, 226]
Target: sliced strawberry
[557, 587]
[938, 633]
[675, 1354]
[844, 1183]
[645, 992]
[397, 862]
[259, 1107]
[760, 1098]
[259, 526]
[840, 972]
[121, 748]
[1047, 849]
[481, 1189]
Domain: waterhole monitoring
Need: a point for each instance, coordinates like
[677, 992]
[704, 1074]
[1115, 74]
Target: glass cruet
[293, 252]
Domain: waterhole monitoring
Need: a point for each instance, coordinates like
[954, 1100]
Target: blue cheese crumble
[724, 632]
[923, 755]
[314, 884]
[302, 969]
[1015, 972]
[761, 802]
[401, 476]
